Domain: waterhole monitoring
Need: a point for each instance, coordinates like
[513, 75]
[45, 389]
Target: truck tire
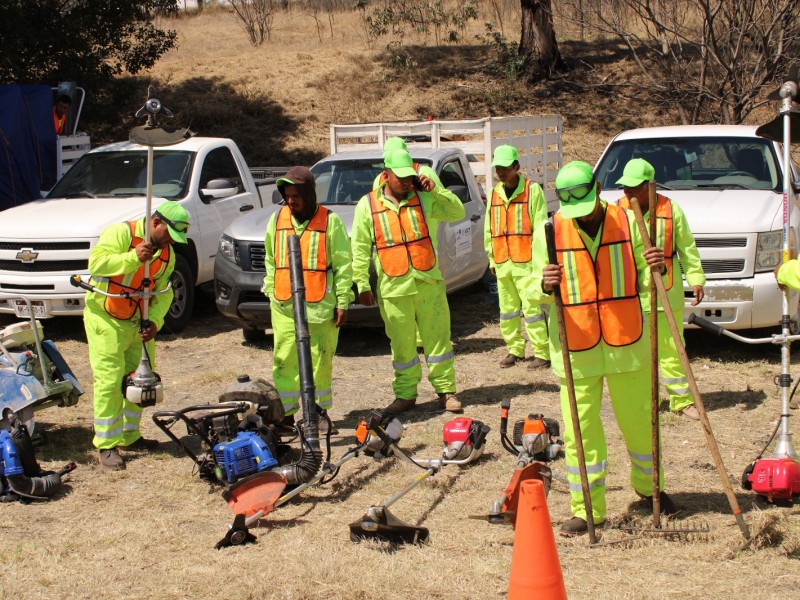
[253, 336]
[180, 311]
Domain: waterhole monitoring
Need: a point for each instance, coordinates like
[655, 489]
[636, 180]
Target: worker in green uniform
[603, 272]
[400, 222]
[114, 329]
[517, 208]
[674, 236]
[328, 277]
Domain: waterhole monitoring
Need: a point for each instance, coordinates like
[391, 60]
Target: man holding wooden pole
[603, 272]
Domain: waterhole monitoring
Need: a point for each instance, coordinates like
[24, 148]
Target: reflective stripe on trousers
[514, 304]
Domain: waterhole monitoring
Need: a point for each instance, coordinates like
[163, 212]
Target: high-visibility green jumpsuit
[789, 274]
[321, 317]
[684, 249]
[414, 301]
[626, 371]
[115, 347]
[515, 305]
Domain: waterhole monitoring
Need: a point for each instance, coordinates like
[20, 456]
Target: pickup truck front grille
[257, 257]
[44, 245]
[737, 242]
[45, 266]
[722, 266]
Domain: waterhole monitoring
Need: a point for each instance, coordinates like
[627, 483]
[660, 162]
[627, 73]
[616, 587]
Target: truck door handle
[475, 217]
[245, 208]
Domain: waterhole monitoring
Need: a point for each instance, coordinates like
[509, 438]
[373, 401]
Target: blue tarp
[27, 143]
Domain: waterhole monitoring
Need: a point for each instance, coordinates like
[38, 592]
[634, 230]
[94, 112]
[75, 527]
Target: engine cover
[459, 436]
[774, 478]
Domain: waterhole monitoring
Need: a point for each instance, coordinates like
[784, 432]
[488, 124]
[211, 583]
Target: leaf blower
[464, 442]
[21, 478]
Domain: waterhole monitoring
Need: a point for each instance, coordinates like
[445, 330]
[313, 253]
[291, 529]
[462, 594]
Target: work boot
[538, 363]
[667, 505]
[142, 445]
[576, 526]
[400, 406]
[286, 427]
[450, 403]
[690, 412]
[509, 361]
[110, 459]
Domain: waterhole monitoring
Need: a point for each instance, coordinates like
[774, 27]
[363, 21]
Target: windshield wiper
[736, 186]
[661, 186]
[81, 194]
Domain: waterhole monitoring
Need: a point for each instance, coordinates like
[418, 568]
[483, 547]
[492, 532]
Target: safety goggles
[575, 192]
[179, 226]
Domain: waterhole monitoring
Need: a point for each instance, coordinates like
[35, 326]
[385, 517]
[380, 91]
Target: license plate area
[22, 309]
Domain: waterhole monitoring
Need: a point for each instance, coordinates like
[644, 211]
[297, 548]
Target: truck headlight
[228, 249]
[768, 250]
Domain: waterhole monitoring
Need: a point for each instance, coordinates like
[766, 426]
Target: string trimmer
[464, 441]
[535, 441]
[143, 386]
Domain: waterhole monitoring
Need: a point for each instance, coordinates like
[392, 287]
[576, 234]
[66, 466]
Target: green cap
[576, 189]
[394, 143]
[176, 219]
[400, 163]
[504, 156]
[637, 171]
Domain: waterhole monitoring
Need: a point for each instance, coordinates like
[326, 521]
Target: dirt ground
[149, 532]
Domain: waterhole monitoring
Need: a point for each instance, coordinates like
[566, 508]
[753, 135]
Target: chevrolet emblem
[27, 255]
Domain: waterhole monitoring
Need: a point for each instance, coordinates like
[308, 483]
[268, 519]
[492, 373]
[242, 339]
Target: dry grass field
[149, 532]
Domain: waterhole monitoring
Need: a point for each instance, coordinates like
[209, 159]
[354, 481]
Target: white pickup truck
[460, 154]
[729, 183]
[43, 242]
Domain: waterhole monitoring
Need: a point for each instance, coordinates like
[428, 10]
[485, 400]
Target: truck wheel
[253, 336]
[180, 311]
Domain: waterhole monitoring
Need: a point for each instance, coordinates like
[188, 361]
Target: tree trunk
[537, 44]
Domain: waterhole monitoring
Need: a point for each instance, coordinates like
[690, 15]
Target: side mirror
[276, 197]
[219, 188]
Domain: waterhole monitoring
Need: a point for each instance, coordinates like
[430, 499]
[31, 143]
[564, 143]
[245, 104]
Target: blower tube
[310, 461]
[20, 468]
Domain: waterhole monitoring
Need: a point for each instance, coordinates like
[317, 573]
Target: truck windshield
[346, 181]
[121, 174]
[696, 163]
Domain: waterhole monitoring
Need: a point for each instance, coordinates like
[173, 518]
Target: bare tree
[537, 44]
[711, 59]
[256, 17]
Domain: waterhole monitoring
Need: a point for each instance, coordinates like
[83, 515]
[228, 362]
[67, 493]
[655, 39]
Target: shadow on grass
[206, 105]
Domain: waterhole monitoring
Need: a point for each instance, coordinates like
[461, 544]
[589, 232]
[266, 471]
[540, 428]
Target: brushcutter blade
[535, 470]
[254, 494]
[496, 518]
[380, 524]
[237, 535]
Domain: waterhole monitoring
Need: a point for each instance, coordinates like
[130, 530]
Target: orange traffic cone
[535, 568]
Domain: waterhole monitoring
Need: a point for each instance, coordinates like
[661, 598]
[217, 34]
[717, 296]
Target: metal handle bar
[776, 338]
[76, 281]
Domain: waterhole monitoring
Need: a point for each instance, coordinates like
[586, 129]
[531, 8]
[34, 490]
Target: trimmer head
[380, 524]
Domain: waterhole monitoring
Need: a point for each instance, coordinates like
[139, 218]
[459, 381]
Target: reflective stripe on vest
[125, 308]
[511, 227]
[600, 297]
[664, 231]
[401, 238]
[314, 248]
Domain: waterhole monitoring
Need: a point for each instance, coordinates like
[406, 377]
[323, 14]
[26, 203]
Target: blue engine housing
[242, 456]
[10, 463]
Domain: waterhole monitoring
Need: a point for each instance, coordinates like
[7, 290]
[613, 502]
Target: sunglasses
[575, 192]
[179, 226]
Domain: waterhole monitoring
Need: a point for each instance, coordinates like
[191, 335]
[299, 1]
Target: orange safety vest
[601, 298]
[59, 123]
[664, 231]
[125, 308]
[401, 238]
[314, 248]
[383, 178]
[511, 227]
